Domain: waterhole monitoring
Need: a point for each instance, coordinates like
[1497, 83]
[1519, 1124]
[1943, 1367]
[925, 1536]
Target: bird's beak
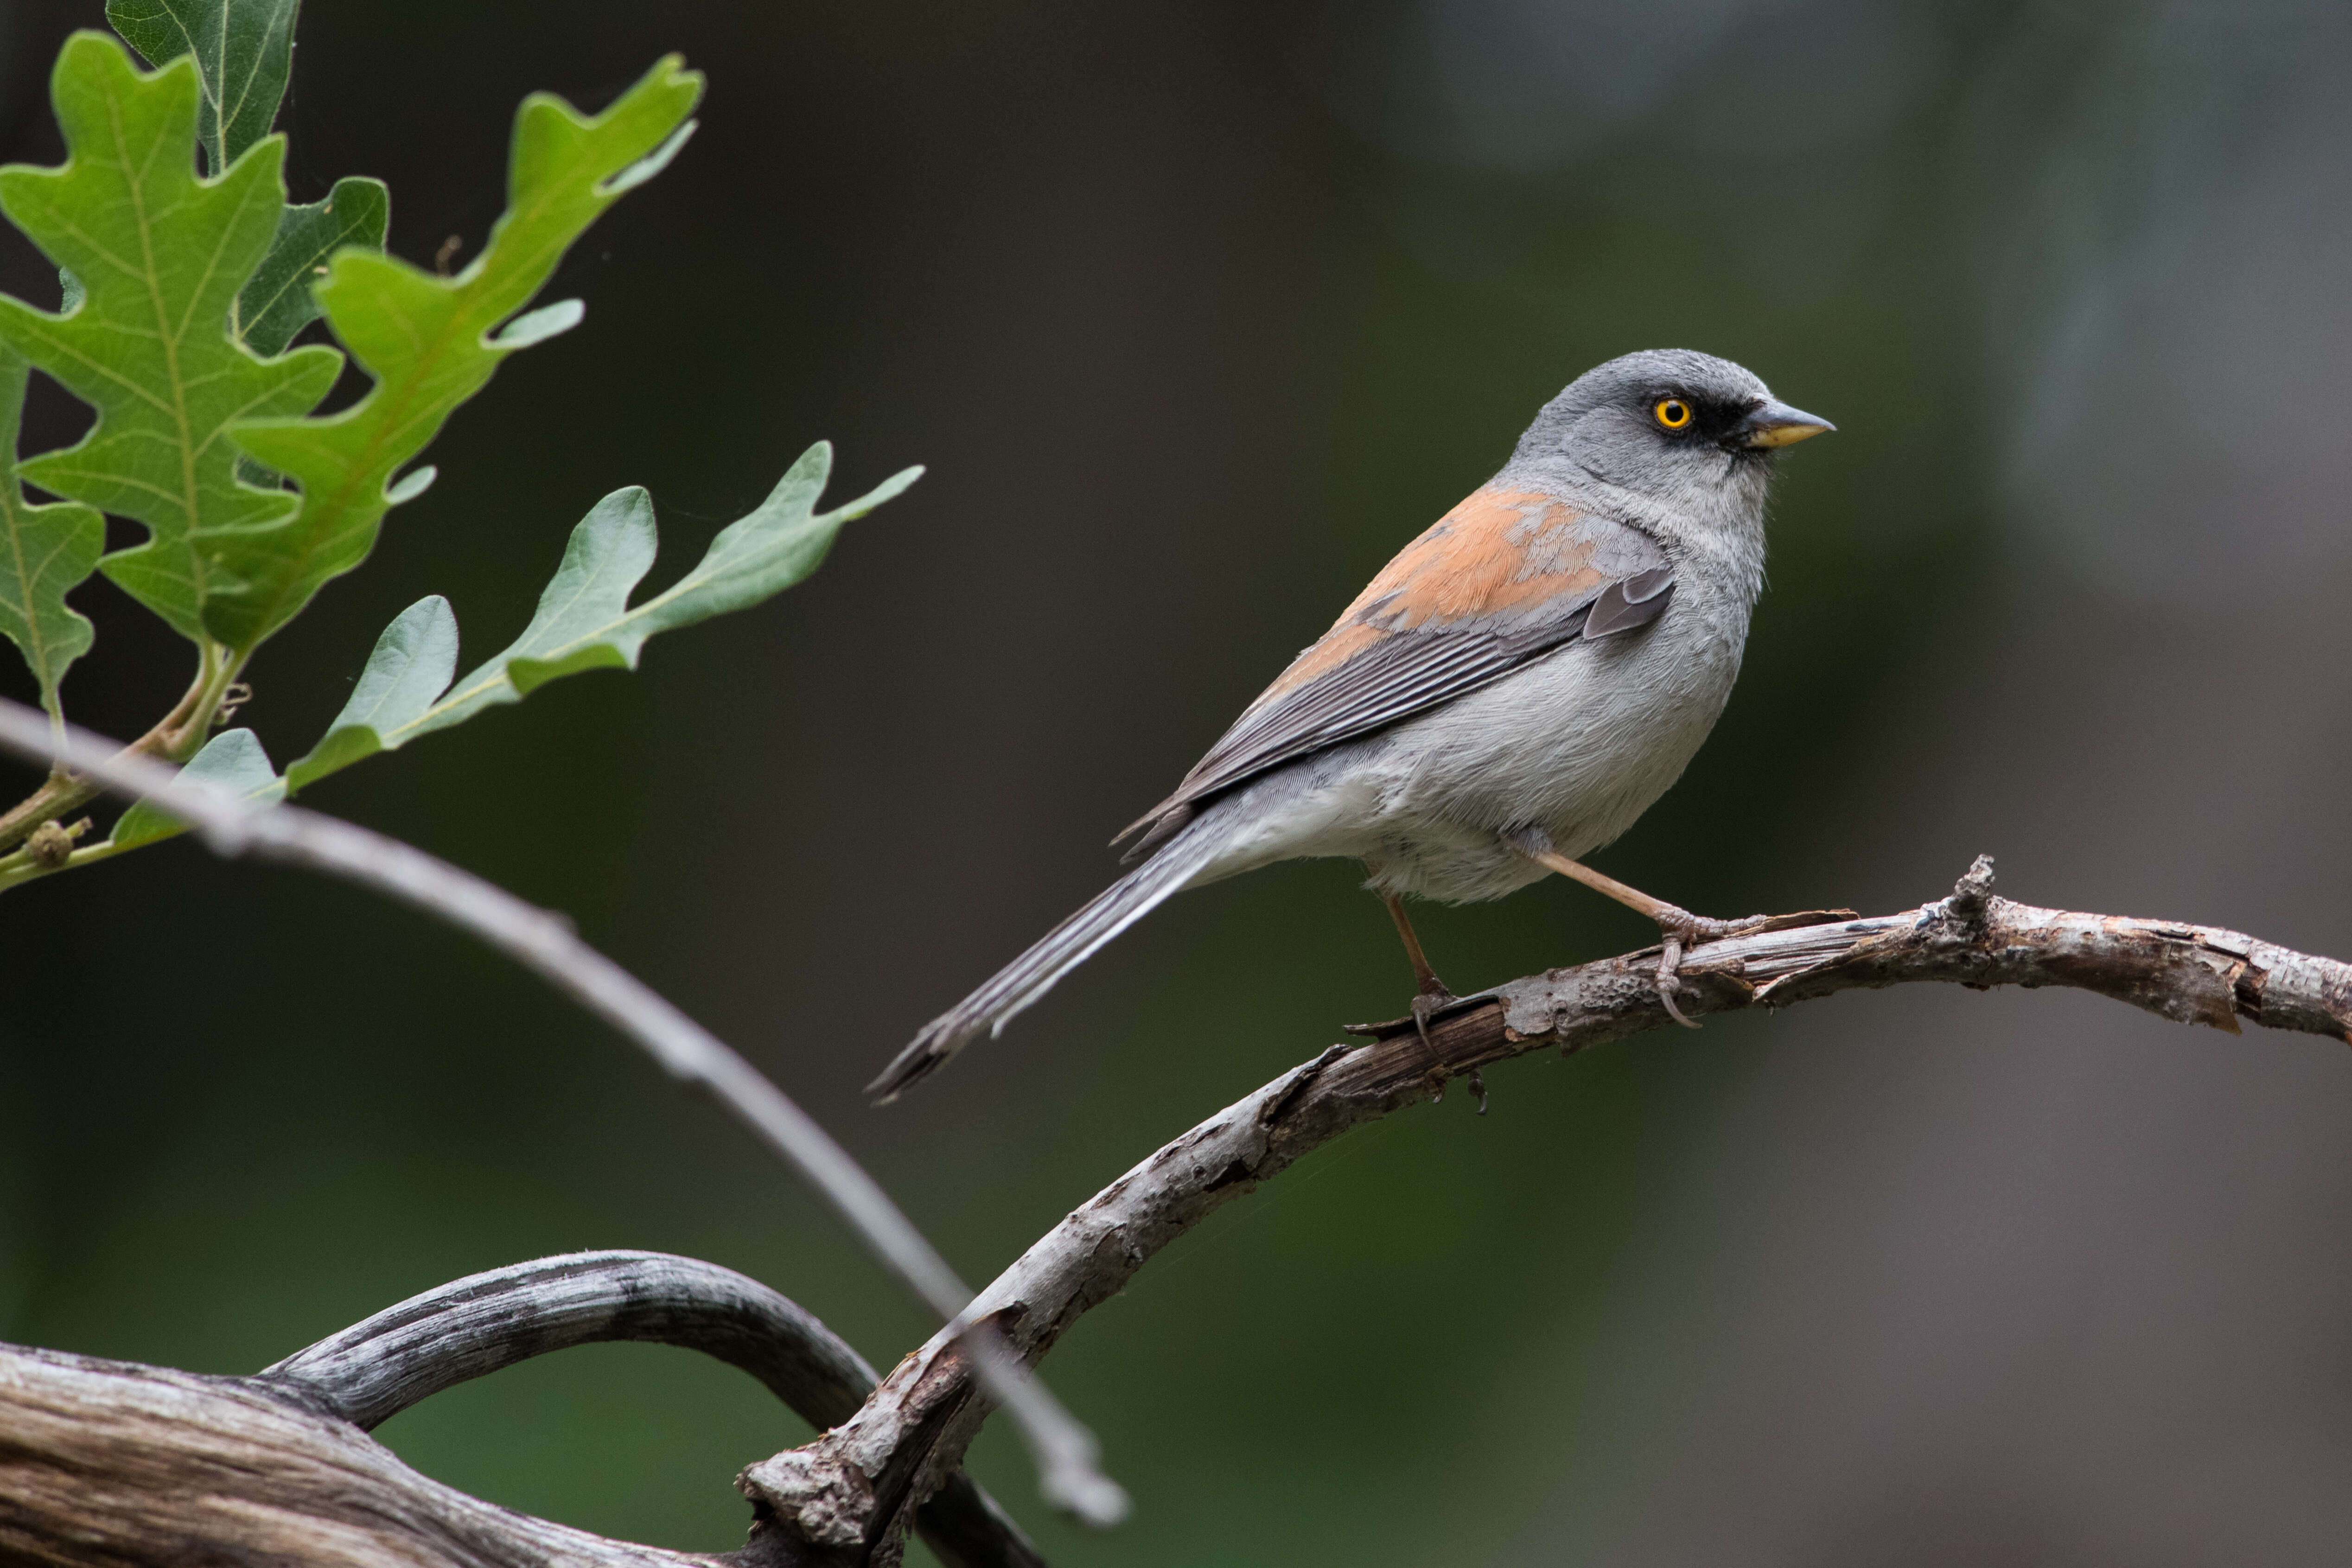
[1778, 425]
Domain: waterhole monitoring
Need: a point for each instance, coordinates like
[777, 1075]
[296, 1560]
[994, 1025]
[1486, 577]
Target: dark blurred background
[1196, 314]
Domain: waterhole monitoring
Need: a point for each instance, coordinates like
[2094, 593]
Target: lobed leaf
[584, 620]
[160, 256]
[244, 51]
[46, 551]
[233, 760]
[278, 300]
[427, 341]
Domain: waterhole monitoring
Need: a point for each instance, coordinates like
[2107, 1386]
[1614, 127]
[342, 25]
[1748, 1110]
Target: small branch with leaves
[184, 298]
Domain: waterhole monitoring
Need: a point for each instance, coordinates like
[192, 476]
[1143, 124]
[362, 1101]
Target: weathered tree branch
[851, 1488]
[103, 1461]
[545, 943]
[106, 1463]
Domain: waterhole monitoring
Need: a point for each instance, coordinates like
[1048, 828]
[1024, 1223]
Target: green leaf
[584, 620]
[160, 254]
[244, 49]
[232, 759]
[277, 301]
[46, 551]
[426, 339]
[410, 668]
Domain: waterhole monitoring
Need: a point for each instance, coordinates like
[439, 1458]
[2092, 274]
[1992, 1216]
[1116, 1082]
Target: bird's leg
[1429, 993]
[1425, 977]
[1678, 926]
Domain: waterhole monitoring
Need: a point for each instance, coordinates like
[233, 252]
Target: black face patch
[1712, 420]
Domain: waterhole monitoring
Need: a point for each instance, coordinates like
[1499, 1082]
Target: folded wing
[1502, 579]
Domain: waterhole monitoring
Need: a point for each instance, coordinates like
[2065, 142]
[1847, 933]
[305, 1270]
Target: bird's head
[1672, 425]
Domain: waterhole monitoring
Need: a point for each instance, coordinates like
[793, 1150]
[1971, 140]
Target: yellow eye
[1672, 413]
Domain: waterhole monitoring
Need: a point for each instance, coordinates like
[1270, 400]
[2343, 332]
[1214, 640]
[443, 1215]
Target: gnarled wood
[107, 1463]
[110, 1462]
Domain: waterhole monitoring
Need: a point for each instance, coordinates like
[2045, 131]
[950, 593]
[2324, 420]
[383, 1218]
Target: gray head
[1684, 428]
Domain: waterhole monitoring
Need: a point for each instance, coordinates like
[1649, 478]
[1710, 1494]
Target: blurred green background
[1196, 314]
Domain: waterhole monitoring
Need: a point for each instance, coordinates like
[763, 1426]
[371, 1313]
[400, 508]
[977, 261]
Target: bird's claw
[1426, 1003]
[1427, 1006]
[1682, 930]
[1669, 981]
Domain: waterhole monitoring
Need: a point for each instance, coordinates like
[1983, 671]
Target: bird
[1510, 693]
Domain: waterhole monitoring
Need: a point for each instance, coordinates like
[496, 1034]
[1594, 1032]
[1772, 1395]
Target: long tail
[1055, 954]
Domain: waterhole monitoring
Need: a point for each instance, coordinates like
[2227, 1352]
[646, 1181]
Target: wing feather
[1503, 579]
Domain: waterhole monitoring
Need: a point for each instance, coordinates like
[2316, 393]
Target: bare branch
[862, 1475]
[1065, 1452]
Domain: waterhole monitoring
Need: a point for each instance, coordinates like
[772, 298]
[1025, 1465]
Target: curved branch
[862, 1475]
[545, 943]
[471, 1327]
[108, 1462]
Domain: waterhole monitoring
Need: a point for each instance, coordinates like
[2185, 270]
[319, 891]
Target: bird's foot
[1669, 980]
[1432, 998]
[1427, 1003]
[1683, 930]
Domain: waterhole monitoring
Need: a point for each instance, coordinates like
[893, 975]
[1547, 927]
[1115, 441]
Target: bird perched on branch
[1511, 691]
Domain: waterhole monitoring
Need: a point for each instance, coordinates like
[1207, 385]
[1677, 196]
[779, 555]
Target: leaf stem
[175, 737]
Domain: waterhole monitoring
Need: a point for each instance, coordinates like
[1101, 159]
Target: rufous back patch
[1497, 554]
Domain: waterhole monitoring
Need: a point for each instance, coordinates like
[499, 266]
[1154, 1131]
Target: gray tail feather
[1055, 954]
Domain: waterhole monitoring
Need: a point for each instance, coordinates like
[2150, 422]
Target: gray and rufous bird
[1510, 693]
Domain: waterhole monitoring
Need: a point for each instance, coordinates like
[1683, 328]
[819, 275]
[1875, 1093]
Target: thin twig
[915, 1425]
[1064, 1451]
